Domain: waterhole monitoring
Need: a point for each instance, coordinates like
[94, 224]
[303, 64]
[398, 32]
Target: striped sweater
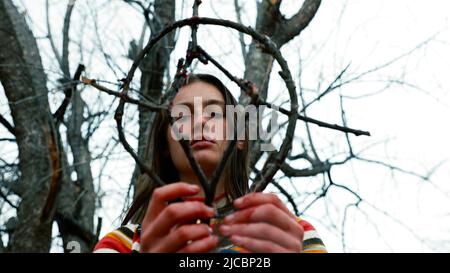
[126, 239]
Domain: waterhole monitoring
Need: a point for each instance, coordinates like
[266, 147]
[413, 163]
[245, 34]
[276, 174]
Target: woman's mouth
[202, 143]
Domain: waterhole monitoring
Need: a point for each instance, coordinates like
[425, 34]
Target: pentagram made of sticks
[194, 51]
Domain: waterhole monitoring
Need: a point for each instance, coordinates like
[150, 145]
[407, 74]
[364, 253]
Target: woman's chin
[207, 160]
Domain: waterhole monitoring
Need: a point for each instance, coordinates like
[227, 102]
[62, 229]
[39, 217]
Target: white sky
[367, 34]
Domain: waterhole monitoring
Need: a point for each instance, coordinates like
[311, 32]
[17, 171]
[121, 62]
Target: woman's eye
[182, 118]
[216, 115]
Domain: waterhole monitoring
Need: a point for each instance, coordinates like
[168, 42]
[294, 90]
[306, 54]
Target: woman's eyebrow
[213, 101]
[204, 102]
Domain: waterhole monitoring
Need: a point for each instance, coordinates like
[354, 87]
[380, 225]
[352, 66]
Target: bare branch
[288, 196]
[303, 155]
[344, 121]
[72, 226]
[59, 113]
[394, 168]
[315, 170]
[396, 220]
[4, 197]
[8, 125]
[49, 35]
[106, 56]
[244, 86]
[127, 98]
[219, 169]
[293, 26]
[237, 9]
[391, 61]
[145, 11]
[344, 221]
[318, 122]
[99, 228]
[65, 46]
[330, 88]
[332, 183]
[319, 196]
[308, 130]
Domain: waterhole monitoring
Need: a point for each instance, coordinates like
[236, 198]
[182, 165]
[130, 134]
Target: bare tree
[36, 136]
[70, 203]
[154, 66]
[46, 191]
[52, 179]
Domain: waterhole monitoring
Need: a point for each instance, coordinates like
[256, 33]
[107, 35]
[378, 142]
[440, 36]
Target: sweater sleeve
[117, 241]
[127, 239]
[312, 243]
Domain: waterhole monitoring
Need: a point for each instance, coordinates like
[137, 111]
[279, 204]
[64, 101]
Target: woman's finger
[180, 237]
[201, 246]
[181, 212]
[162, 195]
[266, 213]
[257, 245]
[259, 198]
[263, 231]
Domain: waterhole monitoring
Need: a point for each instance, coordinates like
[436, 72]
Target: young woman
[260, 222]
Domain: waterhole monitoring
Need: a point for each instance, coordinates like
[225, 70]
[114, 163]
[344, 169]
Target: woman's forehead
[206, 91]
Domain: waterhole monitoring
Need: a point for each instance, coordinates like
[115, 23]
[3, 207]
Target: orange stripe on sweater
[112, 243]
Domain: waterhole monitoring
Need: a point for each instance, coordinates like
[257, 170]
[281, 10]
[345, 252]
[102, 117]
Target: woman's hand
[263, 224]
[168, 227]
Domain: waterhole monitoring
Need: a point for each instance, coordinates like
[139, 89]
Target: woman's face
[199, 113]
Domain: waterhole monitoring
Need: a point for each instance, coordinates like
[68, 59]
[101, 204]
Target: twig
[218, 171]
[127, 98]
[7, 200]
[330, 88]
[143, 167]
[319, 123]
[308, 130]
[288, 196]
[8, 139]
[65, 45]
[8, 125]
[237, 9]
[49, 34]
[59, 113]
[315, 170]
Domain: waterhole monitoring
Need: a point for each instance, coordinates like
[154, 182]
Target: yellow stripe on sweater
[119, 236]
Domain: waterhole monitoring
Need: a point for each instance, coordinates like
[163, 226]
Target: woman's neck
[193, 179]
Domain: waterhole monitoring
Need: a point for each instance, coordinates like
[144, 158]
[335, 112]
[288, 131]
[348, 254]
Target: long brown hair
[157, 156]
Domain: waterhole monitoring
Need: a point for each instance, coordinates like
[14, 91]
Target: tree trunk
[47, 192]
[77, 201]
[258, 65]
[153, 68]
[24, 81]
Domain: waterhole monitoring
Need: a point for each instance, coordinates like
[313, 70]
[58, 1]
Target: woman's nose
[199, 120]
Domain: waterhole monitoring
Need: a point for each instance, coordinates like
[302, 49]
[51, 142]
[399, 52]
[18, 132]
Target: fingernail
[235, 239]
[210, 210]
[239, 201]
[229, 218]
[194, 188]
[225, 230]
